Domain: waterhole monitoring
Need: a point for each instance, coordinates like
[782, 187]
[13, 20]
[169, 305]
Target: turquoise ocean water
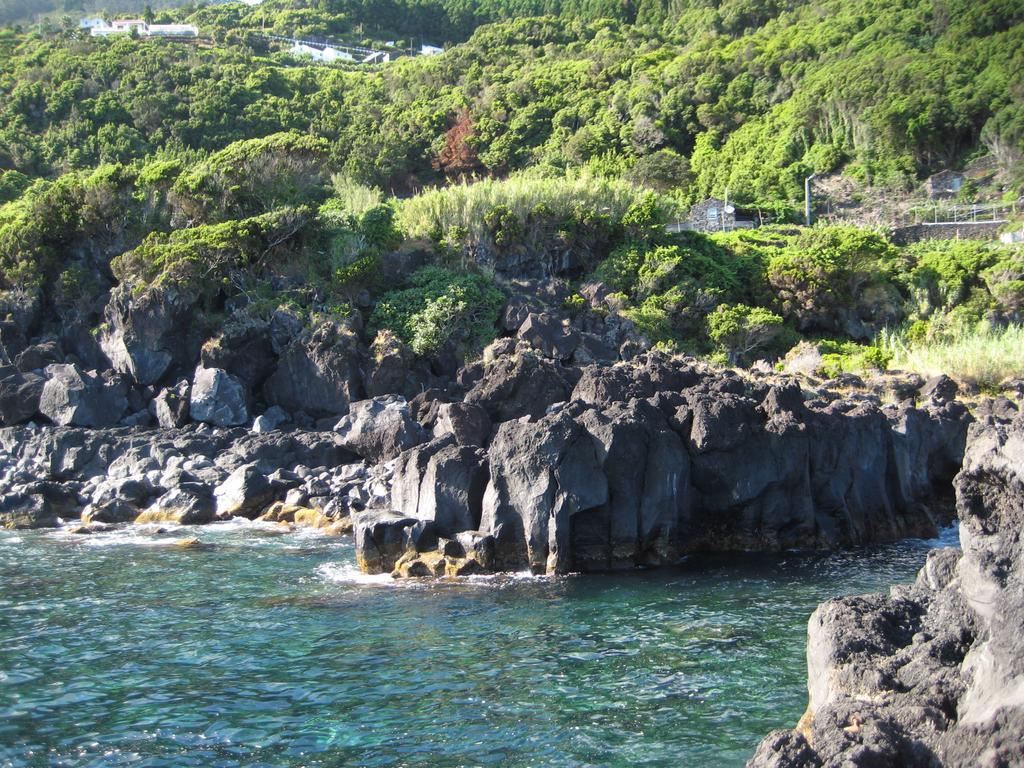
[269, 649]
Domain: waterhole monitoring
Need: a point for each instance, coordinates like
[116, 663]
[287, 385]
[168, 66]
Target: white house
[333, 54]
[127, 26]
[172, 30]
[326, 54]
[430, 50]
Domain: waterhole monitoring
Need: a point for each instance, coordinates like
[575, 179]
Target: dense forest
[227, 169]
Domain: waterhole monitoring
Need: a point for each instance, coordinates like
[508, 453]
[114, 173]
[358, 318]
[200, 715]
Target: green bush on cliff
[254, 176]
[741, 331]
[438, 307]
[208, 258]
[827, 270]
[943, 272]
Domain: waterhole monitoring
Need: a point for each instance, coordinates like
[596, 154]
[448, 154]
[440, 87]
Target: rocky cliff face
[648, 460]
[931, 674]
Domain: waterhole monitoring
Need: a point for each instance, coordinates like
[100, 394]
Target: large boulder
[218, 398]
[318, 373]
[520, 385]
[245, 493]
[190, 503]
[379, 429]
[71, 396]
[38, 356]
[468, 423]
[381, 538]
[442, 482]
[171, 406]
[23, 510]
[146, 332]
[549, 335]
[19, 397]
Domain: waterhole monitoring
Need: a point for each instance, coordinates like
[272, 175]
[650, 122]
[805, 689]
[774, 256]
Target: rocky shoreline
[933, 673]
[524, 464]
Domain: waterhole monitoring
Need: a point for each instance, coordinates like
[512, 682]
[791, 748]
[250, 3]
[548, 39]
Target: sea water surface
[269, 649]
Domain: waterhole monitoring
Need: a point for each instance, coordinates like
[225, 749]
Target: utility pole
[807, 198]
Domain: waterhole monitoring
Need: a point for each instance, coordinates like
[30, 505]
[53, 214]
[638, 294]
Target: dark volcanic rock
[468, 423]
[379, 429]
[520, 385]
[19, 397]
[82, 398]
[441, 482]
[23, 510]
[318, 373]
[931, 674]
[145, 332]
[171, 406]
[548, 335]
[244, 350]
[381, 538]
[38, 356]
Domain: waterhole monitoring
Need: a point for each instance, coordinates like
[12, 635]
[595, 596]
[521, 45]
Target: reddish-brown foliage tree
[457, 158]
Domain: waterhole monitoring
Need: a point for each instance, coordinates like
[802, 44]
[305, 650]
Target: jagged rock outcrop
[659, 457]
[931, 674]
[442, 482]
[143, 335]
[318, 373]
[520, 384]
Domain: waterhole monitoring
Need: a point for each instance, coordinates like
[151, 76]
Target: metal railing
[959, 213]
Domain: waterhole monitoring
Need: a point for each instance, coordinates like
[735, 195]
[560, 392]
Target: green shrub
[1005, 281]
[439, 307]
[254, 176]
[943, 272]
[829, 270]
[377, 225]
[504, 226]
[741, 330]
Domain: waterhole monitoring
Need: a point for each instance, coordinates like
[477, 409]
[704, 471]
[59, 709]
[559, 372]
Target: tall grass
[463, 206]
[355, 198]
[983, 356]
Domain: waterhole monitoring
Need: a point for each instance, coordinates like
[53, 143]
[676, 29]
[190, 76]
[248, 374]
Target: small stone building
[944, 184]
[714, 215]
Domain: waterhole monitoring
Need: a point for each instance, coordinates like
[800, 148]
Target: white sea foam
[347, 573]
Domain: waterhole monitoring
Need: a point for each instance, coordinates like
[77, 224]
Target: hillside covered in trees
[543, 146]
